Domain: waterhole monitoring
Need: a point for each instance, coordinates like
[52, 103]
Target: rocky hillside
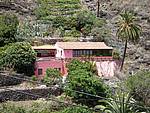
[23, 8]
[138, 56]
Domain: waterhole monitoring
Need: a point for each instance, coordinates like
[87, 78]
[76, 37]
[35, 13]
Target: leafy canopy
[8, 28]
[128, 29]
[82, 78]
[52, 76]
[19, 56]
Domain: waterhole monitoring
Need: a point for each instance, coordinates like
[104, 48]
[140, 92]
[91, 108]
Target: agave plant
[121, 103]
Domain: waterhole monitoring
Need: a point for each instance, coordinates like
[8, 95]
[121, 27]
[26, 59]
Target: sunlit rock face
[137, 54]
[24, 9]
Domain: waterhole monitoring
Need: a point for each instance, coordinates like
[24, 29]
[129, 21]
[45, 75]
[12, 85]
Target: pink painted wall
[47, 64]
[68, 53]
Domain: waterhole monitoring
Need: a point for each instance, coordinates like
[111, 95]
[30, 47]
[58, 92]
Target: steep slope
[138, 56]
[55, 8]
[23, 8]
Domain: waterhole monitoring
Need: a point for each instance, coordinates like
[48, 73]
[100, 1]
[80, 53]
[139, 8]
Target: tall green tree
[8, 28]
[18, 56]
[128, 31]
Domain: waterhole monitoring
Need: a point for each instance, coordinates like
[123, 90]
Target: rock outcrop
[138, 55]
[22, 8]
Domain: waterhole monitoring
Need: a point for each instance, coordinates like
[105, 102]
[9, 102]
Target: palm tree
[128, 31]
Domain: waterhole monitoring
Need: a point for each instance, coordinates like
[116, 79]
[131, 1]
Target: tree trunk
[98, 8]
[124, 55]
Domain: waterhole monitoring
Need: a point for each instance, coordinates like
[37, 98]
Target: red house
[56, 56]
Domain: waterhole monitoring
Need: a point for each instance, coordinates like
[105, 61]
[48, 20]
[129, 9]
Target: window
[91, 52]
[79, 53]
[61, 52]
[45, 53]
[38, 54]
[40, 71]
[52, 53]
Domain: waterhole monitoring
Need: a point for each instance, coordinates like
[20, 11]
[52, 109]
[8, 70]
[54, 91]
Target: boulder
[147, 45]
[145, 59]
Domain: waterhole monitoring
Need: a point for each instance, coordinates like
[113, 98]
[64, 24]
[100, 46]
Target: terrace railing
[97, 59]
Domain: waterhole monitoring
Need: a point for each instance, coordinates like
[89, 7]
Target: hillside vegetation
[31, 22]
[50, 9]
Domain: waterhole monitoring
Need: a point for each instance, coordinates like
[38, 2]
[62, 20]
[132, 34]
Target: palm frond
[128, 29]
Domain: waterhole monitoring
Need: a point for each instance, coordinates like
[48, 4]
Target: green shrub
[20, 57]
[7, 108]
[52, 76]
[72, 33]
[77, 65]
[34, 78]
[139, 86]
[120, 103]
[38, 106]
[75, 110]
[100, 34]
[42, 107]
[8, 28]
[82, 78]
[116, 54]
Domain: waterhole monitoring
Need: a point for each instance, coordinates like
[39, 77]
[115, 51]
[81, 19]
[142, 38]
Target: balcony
[94, 58]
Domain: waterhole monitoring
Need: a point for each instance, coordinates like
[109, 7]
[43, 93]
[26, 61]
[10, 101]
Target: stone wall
[10, 93]
[7, 80]
[27, 94]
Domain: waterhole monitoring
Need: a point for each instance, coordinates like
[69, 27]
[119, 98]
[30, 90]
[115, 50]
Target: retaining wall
[21, 95]
[6, 80]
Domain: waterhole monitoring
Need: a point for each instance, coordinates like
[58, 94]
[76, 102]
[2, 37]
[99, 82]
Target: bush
[52, 76]
[20, 57]
[42, 107]
[72, 33]
[120, 103]
[34, 78]
[139, 86]
[116, 54]
[2, 54]
[7, 108]
[77, 65]
[75, 110]
[8, 28]
[99, 33]
[81, 78]
[38, 106]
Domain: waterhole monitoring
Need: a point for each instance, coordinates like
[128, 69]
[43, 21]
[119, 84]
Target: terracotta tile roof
[82, 45]
[44, 47]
